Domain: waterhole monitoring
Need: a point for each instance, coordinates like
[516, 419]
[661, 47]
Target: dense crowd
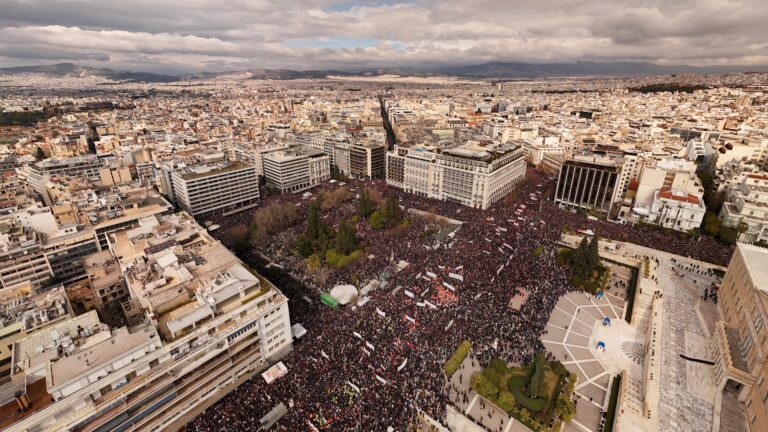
[370, 367]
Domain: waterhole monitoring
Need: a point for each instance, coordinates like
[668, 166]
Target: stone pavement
[570, 337]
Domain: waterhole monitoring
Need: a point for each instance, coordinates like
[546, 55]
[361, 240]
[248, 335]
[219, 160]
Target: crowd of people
[372, 367]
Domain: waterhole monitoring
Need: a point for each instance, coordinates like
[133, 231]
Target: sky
[187, 36]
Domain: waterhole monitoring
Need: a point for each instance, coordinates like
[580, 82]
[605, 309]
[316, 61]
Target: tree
[392, 214]
[712, 224]
[506, 401]
[483, 386]
[313, 221]
[580, 260]
[564, 408]
[313, 263]
[304, 246]
[377, 222]
[346, 242]
[594, 253]
[365, 205]
[536, 383]
[728, 235]
[40, 154]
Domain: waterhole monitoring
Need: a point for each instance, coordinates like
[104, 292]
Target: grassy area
[458, 356]
[610, 416]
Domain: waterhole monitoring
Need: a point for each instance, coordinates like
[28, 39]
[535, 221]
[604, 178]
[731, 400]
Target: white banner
[381, 380]
[402, 365]
[380, 312]
[456, 276]
[410, 319]
[357, 335]
[430, 304]
[449, 286]
[450, 324]
[357, 389]
[408, 293]
[322, 353]
[369, 346]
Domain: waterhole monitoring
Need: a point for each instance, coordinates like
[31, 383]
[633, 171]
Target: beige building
[740, 339]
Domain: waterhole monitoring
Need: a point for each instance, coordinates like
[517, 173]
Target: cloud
[194, 35]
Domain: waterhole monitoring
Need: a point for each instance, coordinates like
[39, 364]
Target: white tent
[344, 293]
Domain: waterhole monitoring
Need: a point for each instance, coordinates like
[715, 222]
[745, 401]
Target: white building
[206, 324]
[471, 175]
[296, 169]
[216, 188]
[747, 203]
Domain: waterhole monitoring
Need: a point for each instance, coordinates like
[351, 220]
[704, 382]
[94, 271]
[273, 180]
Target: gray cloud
[194, 35]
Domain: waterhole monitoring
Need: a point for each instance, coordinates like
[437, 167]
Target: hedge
[515, 386]
[610, 415]
[452, 364]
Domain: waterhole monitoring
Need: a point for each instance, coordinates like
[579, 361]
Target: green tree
[392, 214]
[313, 221]
[506, 401]
[580, 257]
[39, 154]
[564, 408]
[483, 386]
[365, 205]
[492, 374]
[304, 246]
[346, 241]
[711, 224]
[377, 222]
[594, 253]
[728, 235]
[313, 263]
[536, 387]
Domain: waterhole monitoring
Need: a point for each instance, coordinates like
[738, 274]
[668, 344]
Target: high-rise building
[220, 187]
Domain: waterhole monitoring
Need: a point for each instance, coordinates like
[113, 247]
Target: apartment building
[746, 207]
[472, 175]
[209, 324]
[740, 338]
[22, 257]
[38, 175]
[24, 311]
[367, 161]
[222, 187]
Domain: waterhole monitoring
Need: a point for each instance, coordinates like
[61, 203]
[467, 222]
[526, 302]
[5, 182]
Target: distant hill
[270, 74]
[492, 70]
[73, 70]
[532, 70]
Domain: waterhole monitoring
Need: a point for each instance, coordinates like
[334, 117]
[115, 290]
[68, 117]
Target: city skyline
[181, 37]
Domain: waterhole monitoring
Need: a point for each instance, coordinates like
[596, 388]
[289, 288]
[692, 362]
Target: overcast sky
[175, 36]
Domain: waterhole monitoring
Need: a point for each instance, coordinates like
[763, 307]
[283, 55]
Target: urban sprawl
[384, 253]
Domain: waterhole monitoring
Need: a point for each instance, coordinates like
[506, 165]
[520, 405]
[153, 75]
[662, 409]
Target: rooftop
[756, 261]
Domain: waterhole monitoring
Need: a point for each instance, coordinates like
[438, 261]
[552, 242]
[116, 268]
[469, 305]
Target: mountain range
[492, 70]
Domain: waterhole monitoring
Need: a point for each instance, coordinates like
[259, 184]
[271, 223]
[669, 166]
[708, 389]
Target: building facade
[221, 188]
